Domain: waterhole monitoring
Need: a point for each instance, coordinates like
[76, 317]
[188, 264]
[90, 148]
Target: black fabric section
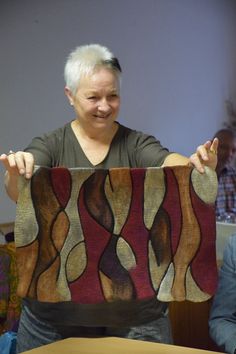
[115, 314]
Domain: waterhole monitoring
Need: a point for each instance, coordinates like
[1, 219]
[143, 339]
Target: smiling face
[97, 101]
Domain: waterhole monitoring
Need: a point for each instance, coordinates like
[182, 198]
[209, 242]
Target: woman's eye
[91, 98]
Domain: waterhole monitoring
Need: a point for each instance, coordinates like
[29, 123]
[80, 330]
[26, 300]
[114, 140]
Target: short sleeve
[146, 150]
[40, 150]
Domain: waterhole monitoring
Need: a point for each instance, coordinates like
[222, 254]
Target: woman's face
[97, 99]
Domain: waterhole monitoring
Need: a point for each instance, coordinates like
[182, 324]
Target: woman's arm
[205, 155]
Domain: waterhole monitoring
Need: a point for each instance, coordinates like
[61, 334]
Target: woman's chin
[103, 122]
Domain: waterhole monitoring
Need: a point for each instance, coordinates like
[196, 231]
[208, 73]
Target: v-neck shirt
[129, 148]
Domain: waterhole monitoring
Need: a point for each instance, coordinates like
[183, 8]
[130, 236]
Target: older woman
[94, 139]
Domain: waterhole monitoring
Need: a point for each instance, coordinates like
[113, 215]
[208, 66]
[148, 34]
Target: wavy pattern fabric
[10, 303]
[92, 235]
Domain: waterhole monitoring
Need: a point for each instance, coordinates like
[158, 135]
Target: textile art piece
[10, 303]
[92, 235]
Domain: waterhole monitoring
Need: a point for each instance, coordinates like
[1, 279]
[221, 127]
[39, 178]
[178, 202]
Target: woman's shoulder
[128, 130]
[47, 147]
[50, 140]
[58, 133]
[133, 134]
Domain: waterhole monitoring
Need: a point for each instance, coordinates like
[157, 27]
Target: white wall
[178, 60]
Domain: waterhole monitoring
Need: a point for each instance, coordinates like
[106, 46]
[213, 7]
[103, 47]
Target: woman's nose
[103, 105]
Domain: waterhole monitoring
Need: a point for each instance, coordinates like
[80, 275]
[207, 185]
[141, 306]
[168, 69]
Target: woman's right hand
[18, 163]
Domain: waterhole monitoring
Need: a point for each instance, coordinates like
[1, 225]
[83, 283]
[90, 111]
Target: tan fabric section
[154, 191]
[117, 195]
[125, 254]
[189, 239]
[26, 228]
[47, 283]
[114, 291]
[205, 185]
[76, 262]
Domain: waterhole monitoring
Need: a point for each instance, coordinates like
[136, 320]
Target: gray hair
[84, 60]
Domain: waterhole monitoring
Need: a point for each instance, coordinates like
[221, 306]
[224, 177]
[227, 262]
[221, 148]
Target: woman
[95, 139]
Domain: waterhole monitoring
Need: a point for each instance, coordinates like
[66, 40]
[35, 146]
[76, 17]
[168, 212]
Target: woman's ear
[69, 95]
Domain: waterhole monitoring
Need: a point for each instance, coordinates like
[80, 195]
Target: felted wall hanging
[10, 303]
[94, 236]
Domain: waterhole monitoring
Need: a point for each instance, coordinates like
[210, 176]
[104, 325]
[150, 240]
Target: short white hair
[84, 60]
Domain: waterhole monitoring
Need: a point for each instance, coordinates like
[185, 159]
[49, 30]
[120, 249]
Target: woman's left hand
[205, 155]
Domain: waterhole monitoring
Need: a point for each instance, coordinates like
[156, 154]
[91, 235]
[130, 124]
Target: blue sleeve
[222, 320]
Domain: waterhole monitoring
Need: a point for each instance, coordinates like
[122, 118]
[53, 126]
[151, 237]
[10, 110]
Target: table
[112, 345]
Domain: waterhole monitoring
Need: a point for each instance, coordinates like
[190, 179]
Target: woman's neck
[91, 133]
[94, 143]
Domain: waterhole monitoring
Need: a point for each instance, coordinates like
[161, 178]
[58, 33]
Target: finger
[207, 144]
[9, 164]
[29, 165]
[197, 163]
[3, 158]
[214, 145]
[11, 160]
[4, 161]
[20, 162]
[25, 163]
[202, 151]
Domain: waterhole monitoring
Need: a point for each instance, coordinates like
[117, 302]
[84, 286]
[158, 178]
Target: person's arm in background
[222, 322]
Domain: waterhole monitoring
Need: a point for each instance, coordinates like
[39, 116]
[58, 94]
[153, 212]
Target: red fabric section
[206, 219]
[172, 206]
[136, 234]
[87, 287]
[61, 184]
